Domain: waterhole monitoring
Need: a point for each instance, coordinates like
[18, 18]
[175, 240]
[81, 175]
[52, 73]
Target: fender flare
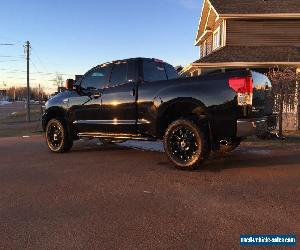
[53, 112]
[191, 106]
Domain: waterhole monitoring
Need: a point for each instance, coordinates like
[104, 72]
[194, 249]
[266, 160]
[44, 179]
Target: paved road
[120, 198]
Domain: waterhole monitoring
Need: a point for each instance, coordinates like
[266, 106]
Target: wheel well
[53, 114]
[189, 110]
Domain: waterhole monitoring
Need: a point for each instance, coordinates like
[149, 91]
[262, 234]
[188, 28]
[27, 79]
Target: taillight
[243, 86]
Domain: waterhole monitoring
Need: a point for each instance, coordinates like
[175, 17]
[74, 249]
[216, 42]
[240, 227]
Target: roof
[256, 6]
[134, 59]
[253, 54]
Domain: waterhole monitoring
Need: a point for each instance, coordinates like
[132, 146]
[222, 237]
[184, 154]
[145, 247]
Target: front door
[87, 114]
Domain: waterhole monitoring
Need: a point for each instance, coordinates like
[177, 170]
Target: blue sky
[72, 36]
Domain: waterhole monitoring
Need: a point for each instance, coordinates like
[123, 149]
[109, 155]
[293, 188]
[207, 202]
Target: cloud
[188, 4]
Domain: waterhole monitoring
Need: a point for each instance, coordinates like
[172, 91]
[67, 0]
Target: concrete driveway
[119, 198]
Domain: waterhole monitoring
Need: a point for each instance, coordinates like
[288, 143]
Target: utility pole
[14, 93]
[27, 51]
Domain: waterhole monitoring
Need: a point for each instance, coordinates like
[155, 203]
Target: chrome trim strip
[112, 122]
[143, 121]
[137, 137]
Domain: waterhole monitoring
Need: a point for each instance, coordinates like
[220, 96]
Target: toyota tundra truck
[145, 99]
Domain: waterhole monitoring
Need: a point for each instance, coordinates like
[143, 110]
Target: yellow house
[247, 34]
[251, 34]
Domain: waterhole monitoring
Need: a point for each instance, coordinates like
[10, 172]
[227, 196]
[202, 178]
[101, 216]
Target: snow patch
[254, 151]
[2, 103]
[159, 147]
[144, 145]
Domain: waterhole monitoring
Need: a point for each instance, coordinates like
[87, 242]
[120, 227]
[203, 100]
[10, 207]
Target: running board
[116, 136]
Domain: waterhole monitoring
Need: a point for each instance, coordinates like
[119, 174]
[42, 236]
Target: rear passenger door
[119, 111]
[155, 73]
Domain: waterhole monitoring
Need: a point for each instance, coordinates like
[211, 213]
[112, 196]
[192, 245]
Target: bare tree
[59, 81]
[178, 68]
[20, 93]
[285, 91]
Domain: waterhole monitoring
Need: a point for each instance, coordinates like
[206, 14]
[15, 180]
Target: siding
[209, 39]
[217, 24]
[263, 32]
[209, 45]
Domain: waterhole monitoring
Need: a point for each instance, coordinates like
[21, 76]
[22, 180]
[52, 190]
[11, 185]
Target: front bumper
[256, 126]
[44, 118]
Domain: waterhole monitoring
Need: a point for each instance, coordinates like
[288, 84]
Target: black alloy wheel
[185, 144]
[57, 137]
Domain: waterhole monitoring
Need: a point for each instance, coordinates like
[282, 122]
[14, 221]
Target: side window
[171, 72]
[96, 79]
[119, 74]
[154, 71]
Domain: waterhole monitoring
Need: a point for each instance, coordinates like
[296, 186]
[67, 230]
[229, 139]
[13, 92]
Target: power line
[34, 52]
[19, 78]
[36, 72]
[35, 67]
[10, 56]
[6, 56]
[13, 70]
[7, 44]
[42, 74]
[14, 60]
[11, 39]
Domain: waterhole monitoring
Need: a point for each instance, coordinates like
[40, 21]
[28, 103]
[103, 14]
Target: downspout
[297, 105]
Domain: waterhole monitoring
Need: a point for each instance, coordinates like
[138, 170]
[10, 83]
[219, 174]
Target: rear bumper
[256, 126]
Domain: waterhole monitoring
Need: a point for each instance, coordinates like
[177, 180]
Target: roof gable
[208, 17]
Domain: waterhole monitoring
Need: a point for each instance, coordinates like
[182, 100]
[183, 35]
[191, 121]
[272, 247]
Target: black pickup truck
[145, 99]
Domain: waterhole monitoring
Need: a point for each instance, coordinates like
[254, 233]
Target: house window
[217, 38]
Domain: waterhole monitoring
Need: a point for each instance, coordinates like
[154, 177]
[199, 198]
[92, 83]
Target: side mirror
[69, 84]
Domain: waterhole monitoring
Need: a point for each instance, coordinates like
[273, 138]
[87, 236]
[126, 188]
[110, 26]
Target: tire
[57, 136]
[186, 144]
[223, 149]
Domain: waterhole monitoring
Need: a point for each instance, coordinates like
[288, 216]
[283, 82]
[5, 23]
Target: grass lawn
[16, 125]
